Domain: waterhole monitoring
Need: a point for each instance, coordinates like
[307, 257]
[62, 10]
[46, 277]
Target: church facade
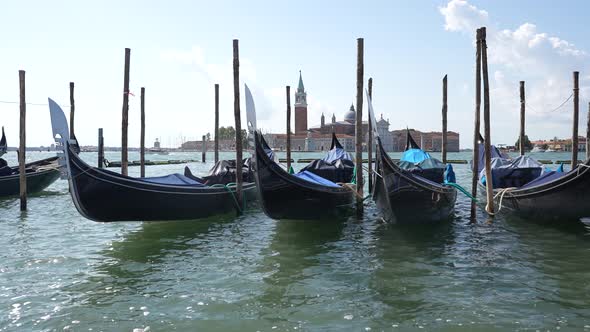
[319, 138]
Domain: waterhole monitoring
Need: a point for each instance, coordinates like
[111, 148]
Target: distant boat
[538, 149]
[156, 151]
[550, 150]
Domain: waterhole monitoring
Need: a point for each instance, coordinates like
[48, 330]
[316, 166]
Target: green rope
[353, 180]
[291, 170]
[228, 188]
[461, 189]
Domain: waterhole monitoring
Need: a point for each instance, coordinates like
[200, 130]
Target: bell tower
[300, 108]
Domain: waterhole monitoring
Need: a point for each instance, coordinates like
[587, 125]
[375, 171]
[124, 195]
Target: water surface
[59, 271]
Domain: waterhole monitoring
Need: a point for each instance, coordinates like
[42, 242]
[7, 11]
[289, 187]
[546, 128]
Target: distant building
[428, 141]
[300, 108]
[319, 137]
[224, 145]
[559, 144]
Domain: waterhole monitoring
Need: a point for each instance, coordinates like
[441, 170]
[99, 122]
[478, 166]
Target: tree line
[230, 133]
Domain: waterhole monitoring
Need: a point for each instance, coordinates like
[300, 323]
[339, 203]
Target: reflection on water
[58, 270]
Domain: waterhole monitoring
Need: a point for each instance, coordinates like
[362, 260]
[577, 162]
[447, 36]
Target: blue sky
[179, 49]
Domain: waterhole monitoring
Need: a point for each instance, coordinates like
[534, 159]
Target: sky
[180, 49]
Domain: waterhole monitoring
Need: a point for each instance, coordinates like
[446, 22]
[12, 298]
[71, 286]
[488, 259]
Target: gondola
[529, 192]
[288, 196]
[40, 174]
[106, 196]
[406, 197]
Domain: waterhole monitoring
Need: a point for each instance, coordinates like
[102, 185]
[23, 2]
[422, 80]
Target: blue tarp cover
[336, 154]
[482, 159]
[545, 178]
[415, 156]
[513, 172]
[422, 164]
[309, 176]
[174, 179]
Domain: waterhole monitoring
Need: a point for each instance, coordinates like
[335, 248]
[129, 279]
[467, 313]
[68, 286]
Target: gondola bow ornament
[61, 135]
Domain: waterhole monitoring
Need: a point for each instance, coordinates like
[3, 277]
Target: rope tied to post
[500, 193]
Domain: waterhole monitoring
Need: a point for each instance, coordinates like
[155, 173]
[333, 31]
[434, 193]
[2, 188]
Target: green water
[59, 271]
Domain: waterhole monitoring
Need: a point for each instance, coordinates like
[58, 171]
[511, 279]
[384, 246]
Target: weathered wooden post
[370, 140]
[359, 123]
[100, 149]
[475, 176]
[576, 116]
[588, 135]
[216, 123]
[486, 118]
[125, 122]
[72, 110]
[142, 136]
[522, 119]
[443, 145]
[23, 143]
[204, 149]
[238, 121]
[288, 144]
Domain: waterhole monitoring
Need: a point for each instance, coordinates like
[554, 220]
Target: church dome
[350, 116]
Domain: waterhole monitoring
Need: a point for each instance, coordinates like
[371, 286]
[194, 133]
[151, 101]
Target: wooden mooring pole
[22, 143]
[238, 121]
[100, 149]
[216, 123]
[443, 145]
[125, 115]
[522, 119]
[72, 110]
[370, 140]
[204, 149]
[486, 118]
[475, 172]
[359, 123]
[142, 136]
[576, 116]
[288, 143]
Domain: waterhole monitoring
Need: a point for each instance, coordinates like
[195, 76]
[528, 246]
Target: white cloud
[544, 61]
[461, 16]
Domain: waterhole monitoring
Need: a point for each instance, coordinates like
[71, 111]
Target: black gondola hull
[284, 196]
[105, 196]
[564, 200]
